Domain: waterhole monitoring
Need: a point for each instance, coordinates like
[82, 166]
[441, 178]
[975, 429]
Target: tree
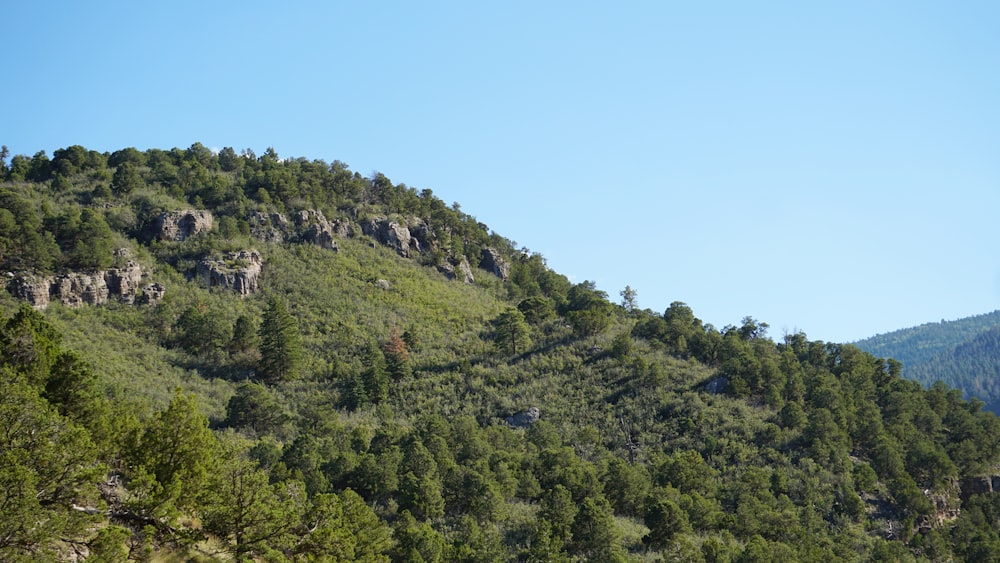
[512, 332]
[665, 521]
[46, 465]
[126, 179]
[249, 513]
[175, 457]
[629, 301]
[396, 356]
[280, 344]
[253, 407]
[375, 378]
[595, 536]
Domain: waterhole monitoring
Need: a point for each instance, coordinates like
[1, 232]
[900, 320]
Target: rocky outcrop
[238, 271]
[124, 282]
[316, 229]
[978, 486]
[151, 294]
[181, 225]
[33, 289]
[461, 271]
[75, 289]
[495, 263]
[420, 232]
[524, 419]
[268, 227]
[392, 234]
[80, 288]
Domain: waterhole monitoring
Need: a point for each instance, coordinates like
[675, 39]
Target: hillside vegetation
[964, 354]
[320, 366]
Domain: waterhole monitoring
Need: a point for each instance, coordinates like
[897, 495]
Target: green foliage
[291, 399]
[280, 344]
[174, 458]
[254, 408]
[513, 335]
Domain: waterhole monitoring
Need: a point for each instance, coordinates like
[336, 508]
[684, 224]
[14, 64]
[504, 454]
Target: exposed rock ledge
[238, 271]
[180, 225]
[75, 289]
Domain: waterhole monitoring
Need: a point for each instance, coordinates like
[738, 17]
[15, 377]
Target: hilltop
[236, 357]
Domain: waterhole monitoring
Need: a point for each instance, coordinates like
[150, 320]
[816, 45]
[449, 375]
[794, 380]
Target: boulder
[495, 263]
[181, 225]
[238, 271]
[524, 419]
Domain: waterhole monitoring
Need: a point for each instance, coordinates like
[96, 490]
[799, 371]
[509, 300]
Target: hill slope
[241, 357]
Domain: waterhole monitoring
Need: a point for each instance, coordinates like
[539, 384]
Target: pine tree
[513, 334]
[396, 356]
[375, 377]
[280, 344]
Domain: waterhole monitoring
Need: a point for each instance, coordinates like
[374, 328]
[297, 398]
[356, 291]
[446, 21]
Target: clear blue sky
[832, 167]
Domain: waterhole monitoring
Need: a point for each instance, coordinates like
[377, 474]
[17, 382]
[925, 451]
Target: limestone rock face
[268, 227]
[180, 225]
[124, 282]
[342, 228]
[495, 263]
[31, 288]
[75, 289]
[238, 271]
[465, 271]
[79, 288]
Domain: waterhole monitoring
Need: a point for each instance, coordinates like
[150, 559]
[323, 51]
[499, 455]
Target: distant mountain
[964, 353]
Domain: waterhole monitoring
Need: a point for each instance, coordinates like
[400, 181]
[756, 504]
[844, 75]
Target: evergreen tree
[126, 179]
[375, 377]
[397, 358]
[280, 344]
[513, 332]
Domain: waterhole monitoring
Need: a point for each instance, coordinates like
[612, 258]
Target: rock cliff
[74, 289]
[180, 225]
[238, 271]
[392, 234]
[495, 263]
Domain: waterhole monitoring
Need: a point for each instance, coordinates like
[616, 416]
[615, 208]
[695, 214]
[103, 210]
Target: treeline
[357, 407]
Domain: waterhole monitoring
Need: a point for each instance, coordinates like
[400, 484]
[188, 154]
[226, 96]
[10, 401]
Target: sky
[825, 167]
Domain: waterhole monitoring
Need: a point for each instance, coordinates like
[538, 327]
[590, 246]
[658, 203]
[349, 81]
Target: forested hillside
[965, 354]
[219, 357]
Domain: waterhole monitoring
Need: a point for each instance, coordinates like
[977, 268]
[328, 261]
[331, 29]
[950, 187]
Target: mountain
[965, 354]
[221, 356]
